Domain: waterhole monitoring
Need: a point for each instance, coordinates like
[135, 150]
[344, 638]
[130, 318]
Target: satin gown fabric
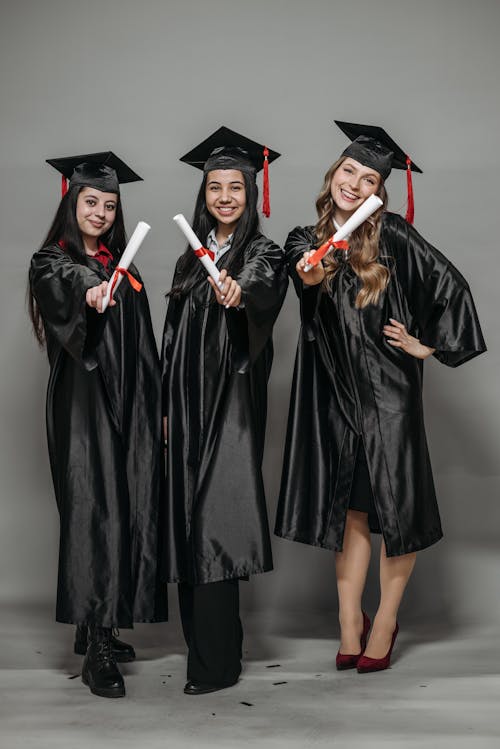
[105, 446]
[350, 386]
[216, 364]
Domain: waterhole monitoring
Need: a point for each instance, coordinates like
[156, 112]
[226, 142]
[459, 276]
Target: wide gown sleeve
[263, 280]
[59, 286]
[300, 240]
[439, 297]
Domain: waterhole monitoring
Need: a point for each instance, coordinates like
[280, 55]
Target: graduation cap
[226, 149]
[375, 148]
[103, 170]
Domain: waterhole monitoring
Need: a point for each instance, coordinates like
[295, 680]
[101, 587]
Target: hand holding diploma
[364, 211]
[227, 291]
[95, 296]
[311, 275]
[126, 259]
[200, 251]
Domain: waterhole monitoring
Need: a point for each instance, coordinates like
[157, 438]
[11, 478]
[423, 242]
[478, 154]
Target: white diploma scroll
[197, 246]
[133, 245]
[365, 210]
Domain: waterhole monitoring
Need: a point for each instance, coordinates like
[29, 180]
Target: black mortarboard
[103, 170]
[225, 146]
[374, 148]
[226, 149]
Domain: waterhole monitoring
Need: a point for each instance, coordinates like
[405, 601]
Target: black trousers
[212, 630]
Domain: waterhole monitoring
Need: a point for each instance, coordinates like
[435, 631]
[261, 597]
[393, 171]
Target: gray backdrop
[150, 80]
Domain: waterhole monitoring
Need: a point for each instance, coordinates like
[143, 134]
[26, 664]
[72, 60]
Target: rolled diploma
[128, 255]
[365, 210]
[195, 243]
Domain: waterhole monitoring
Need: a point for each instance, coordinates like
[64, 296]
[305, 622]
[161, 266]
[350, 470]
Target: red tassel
[266, 205]
[64, 186]
[410, 210]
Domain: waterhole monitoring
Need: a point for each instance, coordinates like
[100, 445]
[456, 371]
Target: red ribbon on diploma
[136, 285]
[321, 251]
[203, 251]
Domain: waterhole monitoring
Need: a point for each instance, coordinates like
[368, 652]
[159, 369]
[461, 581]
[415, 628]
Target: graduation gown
[104, 438]
[216, 364]
[352, 388]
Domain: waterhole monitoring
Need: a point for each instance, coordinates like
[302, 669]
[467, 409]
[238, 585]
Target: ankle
[385, 621]
[351, 619]
[100, 634]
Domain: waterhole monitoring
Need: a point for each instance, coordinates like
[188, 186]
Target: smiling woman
[225, 197]
[216, 358]
[347, 184]
[95, 215]
[103, 420]
[370, 316]
[350, 185]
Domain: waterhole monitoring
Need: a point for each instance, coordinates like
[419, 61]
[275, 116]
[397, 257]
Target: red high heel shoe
[367, 665]
[343, 662]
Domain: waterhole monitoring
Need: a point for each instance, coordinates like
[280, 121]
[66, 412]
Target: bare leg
[394, 575]
[351, 567]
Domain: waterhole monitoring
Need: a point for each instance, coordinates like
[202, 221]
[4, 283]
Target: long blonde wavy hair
[363, 243]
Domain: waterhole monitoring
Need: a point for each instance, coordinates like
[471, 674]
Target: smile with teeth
[348, 195]
[225, 209]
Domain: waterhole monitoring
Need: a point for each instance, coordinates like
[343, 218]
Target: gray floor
[441, 692]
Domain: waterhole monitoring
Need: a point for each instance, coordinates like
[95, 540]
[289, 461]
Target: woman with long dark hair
[356, 456]
[217, 355]
[103, 427]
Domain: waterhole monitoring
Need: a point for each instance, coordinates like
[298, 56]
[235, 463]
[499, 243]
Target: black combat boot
[100, 672]
[122, 651]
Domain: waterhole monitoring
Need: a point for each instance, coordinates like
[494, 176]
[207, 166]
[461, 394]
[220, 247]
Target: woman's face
[225, 196]
[95, 212]
[351, 184]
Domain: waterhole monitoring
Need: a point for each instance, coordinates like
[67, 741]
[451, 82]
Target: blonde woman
[356, 458]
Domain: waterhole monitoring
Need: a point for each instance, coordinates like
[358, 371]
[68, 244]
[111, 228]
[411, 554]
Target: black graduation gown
[351, 387]
[104, 438]
[216, 364]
